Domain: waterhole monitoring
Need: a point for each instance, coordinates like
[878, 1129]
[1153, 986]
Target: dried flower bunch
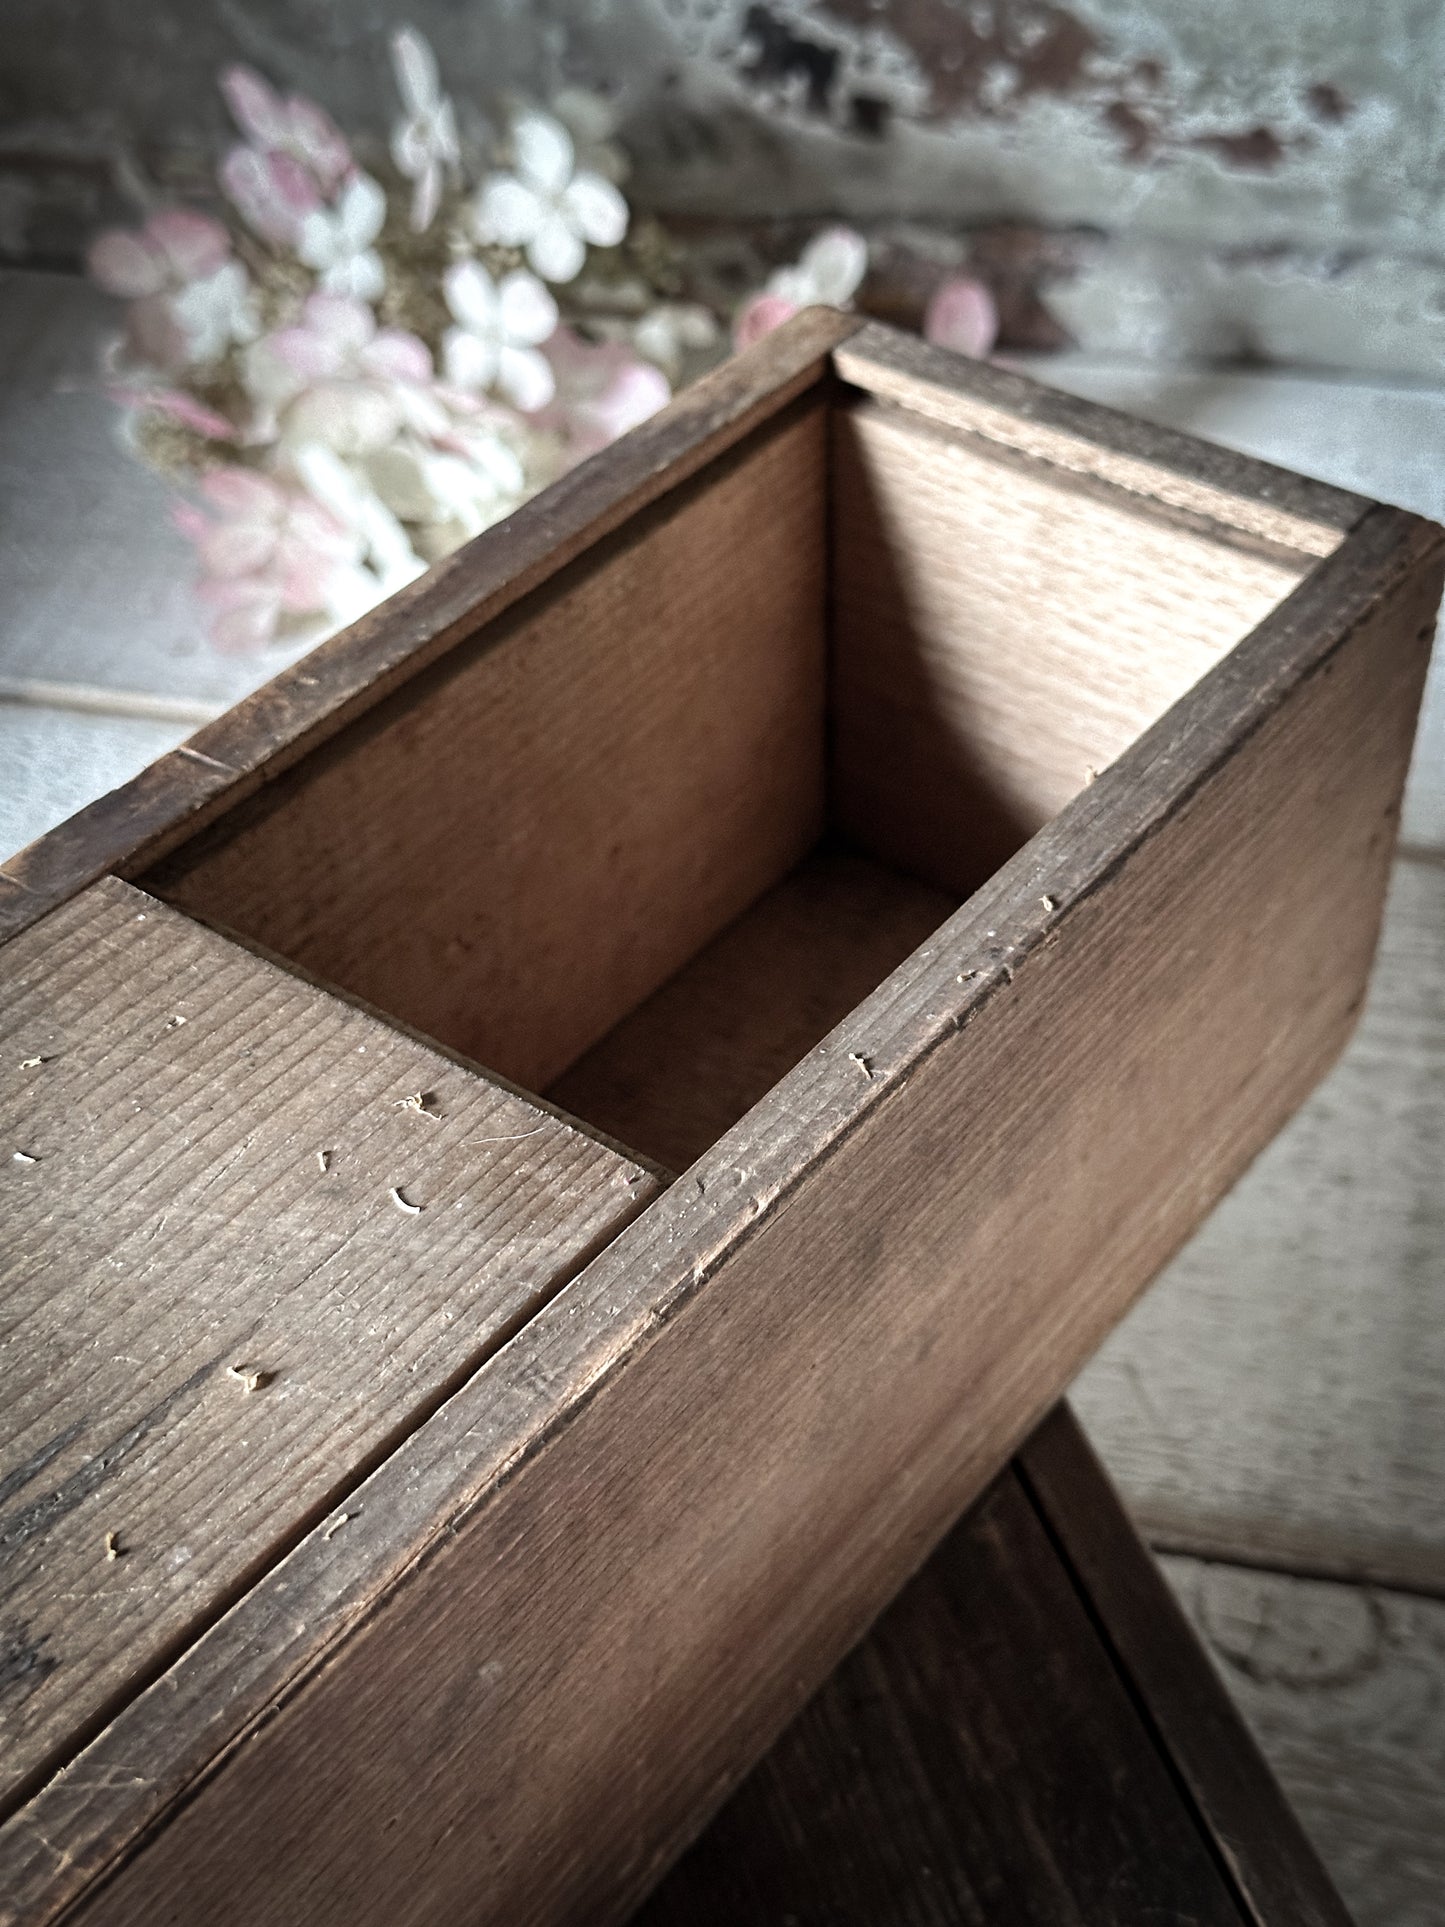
[359, 374]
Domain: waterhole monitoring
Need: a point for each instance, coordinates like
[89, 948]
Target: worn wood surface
[167, 1229]
[524, 841]
[1344, 1686]
[763, 1466]
[1275, 506]
[1261, 1843]
[1000, 636]
[978, 1761]
[684, 1066]
[1278, 1395]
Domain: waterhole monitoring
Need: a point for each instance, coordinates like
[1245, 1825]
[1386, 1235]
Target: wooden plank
[169, 1103]
[355, 670]
[645, 1529]
[976, 1762]
[686, 1065]
[1343, 1686]
[1000, 638]
[1171, 470]
[1277, 1397]
[1276, 1871]
[526, 840]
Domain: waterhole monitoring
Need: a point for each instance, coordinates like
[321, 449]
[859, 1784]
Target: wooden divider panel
[249, 1237]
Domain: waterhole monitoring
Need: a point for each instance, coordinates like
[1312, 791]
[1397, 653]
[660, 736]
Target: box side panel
[249, 1238]
[1001, 634]
[519, 845]
[804, 1363]
[977, 1762]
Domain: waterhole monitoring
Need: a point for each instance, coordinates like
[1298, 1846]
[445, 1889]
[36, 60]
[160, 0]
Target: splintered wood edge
[1160, 465]
[94, 1816]
[265, 734]
[1276, 1871]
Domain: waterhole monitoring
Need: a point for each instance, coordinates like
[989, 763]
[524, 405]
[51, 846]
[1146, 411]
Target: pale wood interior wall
[1000, 631]
[524, 843]
[519, 846]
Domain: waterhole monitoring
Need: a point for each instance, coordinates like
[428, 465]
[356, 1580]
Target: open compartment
[642, 840]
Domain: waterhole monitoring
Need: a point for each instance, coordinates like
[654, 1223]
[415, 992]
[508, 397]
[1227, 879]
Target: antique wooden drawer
[945, 823]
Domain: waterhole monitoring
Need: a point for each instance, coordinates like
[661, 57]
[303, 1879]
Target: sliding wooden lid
[250, 1236]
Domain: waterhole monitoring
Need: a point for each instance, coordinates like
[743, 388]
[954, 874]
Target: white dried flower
[499, 329]
[828, 272]
[672, 330]
[424, 143]
[337, 241]
[546, 205]
[355, 504]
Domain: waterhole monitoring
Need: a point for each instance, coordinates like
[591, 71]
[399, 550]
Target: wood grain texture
[168, 1103]
[1173, 471]
[976, 1762]
[1278, 1395]
[686, 1065]
[355, 670]
[526, 840]
[1380, 438]
[716, 1453]
[1270, 1860]
[1000, 637]
[1343, 1687]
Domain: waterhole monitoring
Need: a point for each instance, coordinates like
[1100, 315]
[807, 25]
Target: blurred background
[1227, 218]
[1244, 181]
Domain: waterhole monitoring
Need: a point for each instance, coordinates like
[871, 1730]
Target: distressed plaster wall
[1256, 177]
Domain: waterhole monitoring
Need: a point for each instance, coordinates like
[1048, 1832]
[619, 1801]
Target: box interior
[644, 841]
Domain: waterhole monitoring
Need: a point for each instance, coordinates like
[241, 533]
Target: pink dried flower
[294, 126]
[188, 299]
[269, 551]
[272, 192]
[174, 247]
[759, 316]
[335, 378]
[294, 160]
[601, 392]
[829, 272]
[963, 316]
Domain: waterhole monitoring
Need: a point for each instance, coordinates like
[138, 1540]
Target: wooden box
[944, 822]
